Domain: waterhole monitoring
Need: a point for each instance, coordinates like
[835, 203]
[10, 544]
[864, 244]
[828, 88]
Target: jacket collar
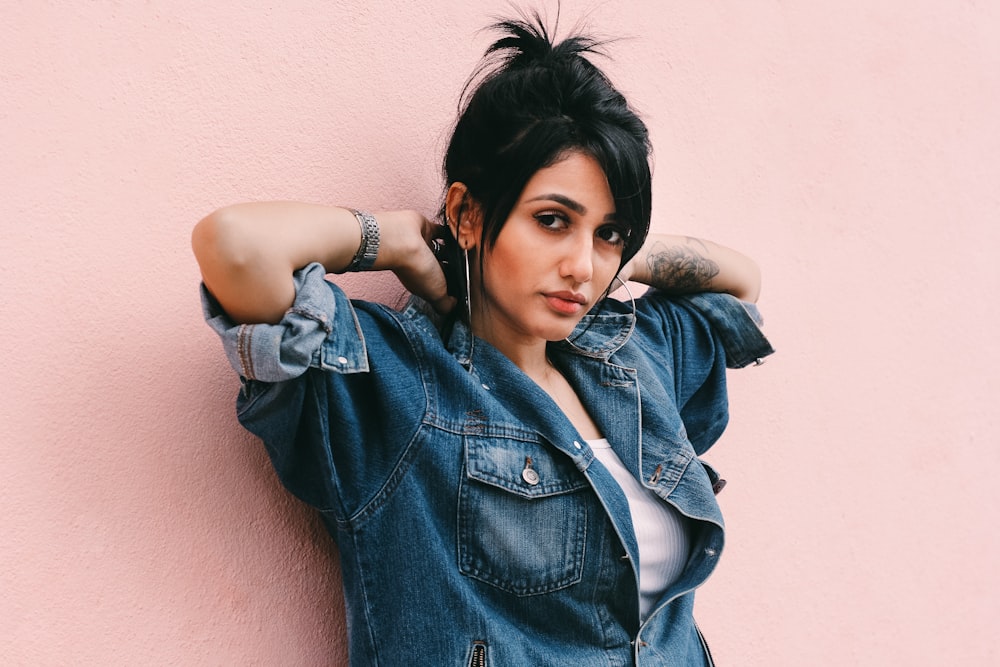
[602, 331]
[607, 327]
[599, 334]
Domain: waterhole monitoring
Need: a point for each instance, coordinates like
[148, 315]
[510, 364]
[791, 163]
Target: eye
[613, 235]
[551, 220]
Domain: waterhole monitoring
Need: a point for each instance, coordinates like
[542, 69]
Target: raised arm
[248, 252]
[684, 264]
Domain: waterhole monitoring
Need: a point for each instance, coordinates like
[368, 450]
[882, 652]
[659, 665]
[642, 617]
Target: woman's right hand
[405, 249]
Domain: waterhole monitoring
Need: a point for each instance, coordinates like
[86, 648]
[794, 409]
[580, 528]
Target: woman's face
[554, 257]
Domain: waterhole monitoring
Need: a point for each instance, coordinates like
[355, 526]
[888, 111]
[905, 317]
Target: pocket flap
[505, 463]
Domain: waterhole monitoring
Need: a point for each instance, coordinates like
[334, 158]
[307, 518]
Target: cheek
[505, 263]
[502, 273]
[606, 268]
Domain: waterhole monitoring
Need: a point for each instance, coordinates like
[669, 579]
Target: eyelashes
[550, 220]
[556, 221]
[613, 235]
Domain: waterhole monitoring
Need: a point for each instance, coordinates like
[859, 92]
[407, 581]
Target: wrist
[401, 240]
[632, 269]
[368, 249]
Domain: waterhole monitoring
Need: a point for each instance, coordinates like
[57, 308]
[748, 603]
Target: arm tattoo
[680, 269]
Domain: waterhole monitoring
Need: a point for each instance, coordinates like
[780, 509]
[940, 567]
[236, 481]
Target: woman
[513, 479]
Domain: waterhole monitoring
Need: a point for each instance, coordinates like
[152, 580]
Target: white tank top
[660, 530]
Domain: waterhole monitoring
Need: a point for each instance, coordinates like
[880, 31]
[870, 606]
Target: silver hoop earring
[468, 287]
[629, 292]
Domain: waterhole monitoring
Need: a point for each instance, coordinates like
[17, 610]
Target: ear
[463, 216]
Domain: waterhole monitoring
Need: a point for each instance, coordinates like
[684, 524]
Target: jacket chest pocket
[522, 516]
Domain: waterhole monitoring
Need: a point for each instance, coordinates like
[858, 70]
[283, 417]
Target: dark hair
[530, 103]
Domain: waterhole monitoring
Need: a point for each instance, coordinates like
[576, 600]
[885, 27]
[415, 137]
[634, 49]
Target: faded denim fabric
[416, 449]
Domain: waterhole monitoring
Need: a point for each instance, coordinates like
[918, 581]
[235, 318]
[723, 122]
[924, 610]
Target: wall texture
[851, 147]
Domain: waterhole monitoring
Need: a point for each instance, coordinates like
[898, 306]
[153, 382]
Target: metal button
[486, 386]
[528, 474]
[577, 445]
[342, 361]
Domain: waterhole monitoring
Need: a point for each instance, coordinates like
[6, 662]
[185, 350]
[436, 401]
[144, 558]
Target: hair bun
[527, 42]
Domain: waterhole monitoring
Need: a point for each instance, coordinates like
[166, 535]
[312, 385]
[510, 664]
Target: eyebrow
[571, 204]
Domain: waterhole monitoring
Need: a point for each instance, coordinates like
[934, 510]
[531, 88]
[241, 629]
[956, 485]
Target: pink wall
[851, 147]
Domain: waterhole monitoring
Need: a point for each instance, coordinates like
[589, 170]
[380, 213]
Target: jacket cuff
[737, 324]
[282, 351]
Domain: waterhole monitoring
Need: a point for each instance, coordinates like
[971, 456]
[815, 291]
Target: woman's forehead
[577, 181]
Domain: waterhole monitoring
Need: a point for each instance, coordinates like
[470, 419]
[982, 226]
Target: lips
[566, 302]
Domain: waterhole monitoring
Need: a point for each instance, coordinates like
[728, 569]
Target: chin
[559, 332]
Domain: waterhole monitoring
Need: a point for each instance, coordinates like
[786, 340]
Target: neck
[529, 353]
[530, 356]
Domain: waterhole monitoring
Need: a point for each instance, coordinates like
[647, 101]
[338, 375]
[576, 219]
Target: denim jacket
[415, 447]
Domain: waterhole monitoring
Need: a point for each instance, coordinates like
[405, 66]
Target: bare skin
[555, 257]
[684, 265]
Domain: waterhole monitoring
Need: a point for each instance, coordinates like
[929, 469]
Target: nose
[578, 262]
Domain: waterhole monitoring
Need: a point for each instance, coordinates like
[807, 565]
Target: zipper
[704, 645]
[478, 657]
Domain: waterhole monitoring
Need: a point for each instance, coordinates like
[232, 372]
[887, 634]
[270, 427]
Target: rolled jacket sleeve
[692, 340]
[319, 323]
[738, 325]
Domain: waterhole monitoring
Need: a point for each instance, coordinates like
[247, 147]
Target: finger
[424, 277]
[444, 305]
[432, 229]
